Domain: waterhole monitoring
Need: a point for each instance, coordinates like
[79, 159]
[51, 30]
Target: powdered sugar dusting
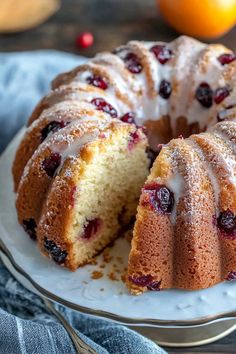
[208, 167]
[193, 62]
[186, 163]
[73, 149]
[67, 141]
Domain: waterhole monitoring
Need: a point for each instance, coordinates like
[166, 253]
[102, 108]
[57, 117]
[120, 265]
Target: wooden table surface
[112, 22]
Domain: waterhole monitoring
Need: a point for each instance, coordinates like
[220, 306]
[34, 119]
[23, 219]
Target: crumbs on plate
[96, 274]
[116, 272]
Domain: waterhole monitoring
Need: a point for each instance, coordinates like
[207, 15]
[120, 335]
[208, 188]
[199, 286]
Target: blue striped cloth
[25, 325]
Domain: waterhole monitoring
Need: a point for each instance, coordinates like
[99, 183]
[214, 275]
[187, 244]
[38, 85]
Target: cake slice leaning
[93, 195]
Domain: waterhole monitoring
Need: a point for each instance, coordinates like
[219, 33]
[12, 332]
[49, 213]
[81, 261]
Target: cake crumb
[116, 269]
[123, 277]
[84, 282]
[107, 257]
[96, 274]
[102, 266]
[112, 276]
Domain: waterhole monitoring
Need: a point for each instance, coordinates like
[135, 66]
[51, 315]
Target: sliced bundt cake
[81, 164]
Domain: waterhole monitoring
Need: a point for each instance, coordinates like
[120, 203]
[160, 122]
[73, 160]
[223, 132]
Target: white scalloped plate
[102, 297]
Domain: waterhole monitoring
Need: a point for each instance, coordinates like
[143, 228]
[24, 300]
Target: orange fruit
[200, 18]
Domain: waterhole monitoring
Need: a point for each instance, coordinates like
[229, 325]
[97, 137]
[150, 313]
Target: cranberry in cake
[97, 81]
[104, 106]
[162, 53]
[204, 95]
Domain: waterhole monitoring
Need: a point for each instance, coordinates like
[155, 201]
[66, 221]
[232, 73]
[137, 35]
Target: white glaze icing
[72, 150]
[208, 69]
[192, 62]
[118, 81]
[61, 111]
[176, 185]
[65, 142]
[228, 156]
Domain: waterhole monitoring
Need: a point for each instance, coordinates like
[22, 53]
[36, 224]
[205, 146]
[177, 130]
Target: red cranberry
[220, 94]
[226, 221]
[84, 40]
[231, 276]
[91, 228]
[128, 118]
[30, 227]
[97, 81]
[51, 163]
[226, 58]
[133, 64]
[58, 255]
[204, 95]
[142, 280]
[154, 286]
[52, 127]
[165, 89]
[134, 139]
[159, 197]
[162, 53]
[102, 105]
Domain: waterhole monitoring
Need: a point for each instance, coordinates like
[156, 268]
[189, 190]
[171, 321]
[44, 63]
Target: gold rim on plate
[121, 319]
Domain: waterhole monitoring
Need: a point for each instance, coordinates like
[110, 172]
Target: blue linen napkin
[25, 324]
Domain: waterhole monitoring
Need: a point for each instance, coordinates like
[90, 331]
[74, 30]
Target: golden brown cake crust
[184, 235]
[35, 181]
[62, 113]
[188, 248]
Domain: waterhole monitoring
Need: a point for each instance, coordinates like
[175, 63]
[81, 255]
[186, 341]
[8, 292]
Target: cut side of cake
[81, 188]
[95, 196]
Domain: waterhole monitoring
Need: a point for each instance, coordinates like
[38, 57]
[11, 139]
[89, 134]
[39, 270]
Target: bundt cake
[80, 167]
